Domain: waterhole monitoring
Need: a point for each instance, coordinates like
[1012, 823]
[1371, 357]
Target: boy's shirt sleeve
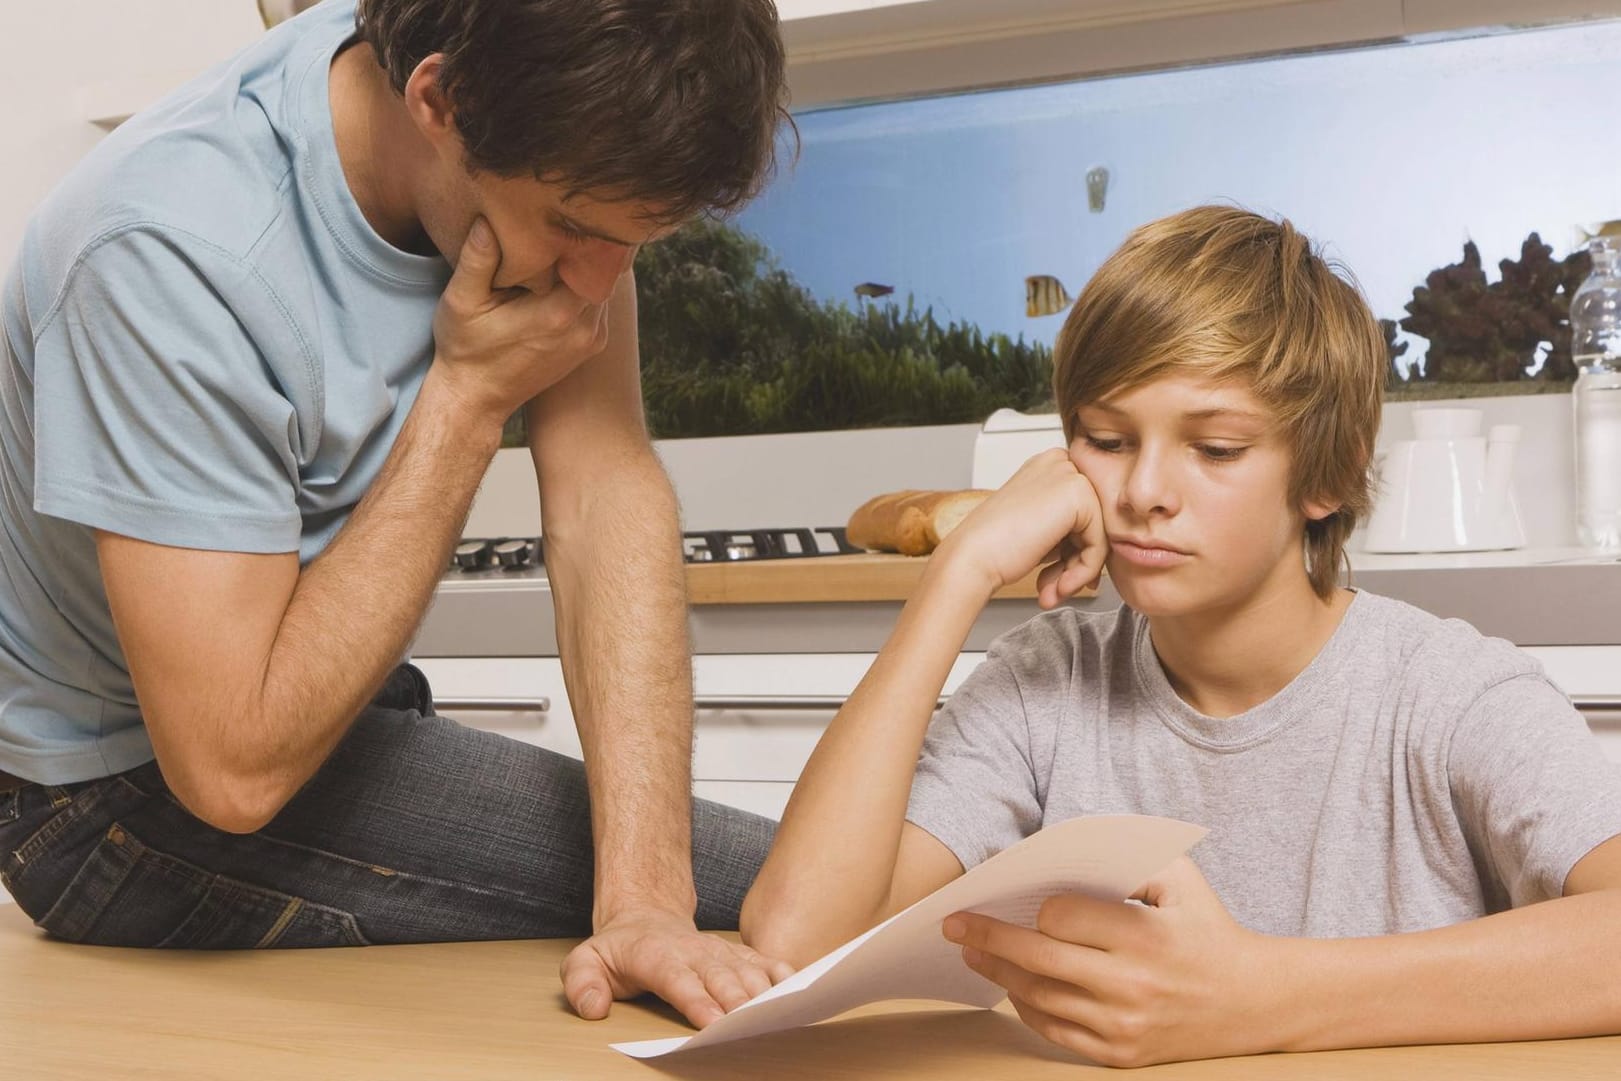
[157, 416]
[1533, 788]
[975, 788]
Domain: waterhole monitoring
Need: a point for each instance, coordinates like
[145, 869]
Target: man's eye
[571, 234]
[1221, 454]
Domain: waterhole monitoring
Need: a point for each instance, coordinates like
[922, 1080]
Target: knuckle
[714, 975]
[581, 336]
[454, 306]
[1050, 914]
[554, 321]
[1129, 1029]
[1044, 996]
[1048, 956]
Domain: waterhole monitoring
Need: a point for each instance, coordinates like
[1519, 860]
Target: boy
[1381, 786]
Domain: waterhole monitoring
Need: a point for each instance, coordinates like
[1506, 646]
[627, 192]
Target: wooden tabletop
[866, 576]
[490, 1011]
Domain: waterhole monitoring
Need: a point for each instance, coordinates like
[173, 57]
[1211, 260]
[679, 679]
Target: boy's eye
[1107, 446]
[1220, 454]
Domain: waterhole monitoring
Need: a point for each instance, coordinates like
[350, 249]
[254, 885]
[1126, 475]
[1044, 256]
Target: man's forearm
[615, 566]
[358, 604]
[1539, 972]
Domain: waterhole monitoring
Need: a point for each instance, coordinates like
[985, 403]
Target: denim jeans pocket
[127, 894]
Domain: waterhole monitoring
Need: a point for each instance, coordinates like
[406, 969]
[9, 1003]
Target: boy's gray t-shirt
[1414, 775]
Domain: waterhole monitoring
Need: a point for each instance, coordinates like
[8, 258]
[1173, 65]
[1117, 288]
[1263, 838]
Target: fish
[1045, 295]
[873, 290]
[1594, 230]
[277, 11]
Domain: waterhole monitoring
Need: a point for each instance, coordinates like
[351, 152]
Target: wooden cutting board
[869, 576]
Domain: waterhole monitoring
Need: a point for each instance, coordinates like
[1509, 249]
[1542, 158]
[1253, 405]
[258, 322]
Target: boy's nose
[1148, 489]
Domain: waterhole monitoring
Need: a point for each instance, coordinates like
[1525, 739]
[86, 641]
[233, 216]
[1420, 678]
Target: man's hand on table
[702, 975]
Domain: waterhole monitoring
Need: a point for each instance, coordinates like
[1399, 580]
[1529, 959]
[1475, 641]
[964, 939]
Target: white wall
[64, 56]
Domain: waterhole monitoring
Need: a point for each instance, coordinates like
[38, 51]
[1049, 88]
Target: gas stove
[494, 599]
[515, 557]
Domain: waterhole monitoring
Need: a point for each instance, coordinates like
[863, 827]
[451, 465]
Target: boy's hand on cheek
[1129, 985]
[1047, 513]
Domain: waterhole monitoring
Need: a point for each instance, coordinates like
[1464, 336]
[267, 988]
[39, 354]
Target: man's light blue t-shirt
[205, 346]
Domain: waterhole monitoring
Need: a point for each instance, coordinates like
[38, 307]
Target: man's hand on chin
[702, 975]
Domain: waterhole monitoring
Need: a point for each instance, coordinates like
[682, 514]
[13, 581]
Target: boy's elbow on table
[777, 927]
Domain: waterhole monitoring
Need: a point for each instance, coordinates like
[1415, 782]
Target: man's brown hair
[1228, 295]
[670, 103]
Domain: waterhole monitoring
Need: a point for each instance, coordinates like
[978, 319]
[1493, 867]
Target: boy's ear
[1316, 510]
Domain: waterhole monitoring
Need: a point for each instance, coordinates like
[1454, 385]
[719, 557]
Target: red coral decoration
[1480, 332]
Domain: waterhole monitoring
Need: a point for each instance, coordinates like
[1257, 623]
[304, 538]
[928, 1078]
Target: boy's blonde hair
[1225, 294]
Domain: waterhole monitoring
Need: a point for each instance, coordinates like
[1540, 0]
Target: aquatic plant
[731, 344]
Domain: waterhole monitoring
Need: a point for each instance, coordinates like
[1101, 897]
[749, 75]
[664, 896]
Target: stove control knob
[512, 555]
[472, 555]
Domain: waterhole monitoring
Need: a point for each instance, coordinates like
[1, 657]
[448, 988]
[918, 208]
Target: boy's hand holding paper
[1130, 983]
[906, 957]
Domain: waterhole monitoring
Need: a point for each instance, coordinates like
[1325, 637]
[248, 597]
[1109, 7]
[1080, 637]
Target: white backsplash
[759, 481]
[818, 478]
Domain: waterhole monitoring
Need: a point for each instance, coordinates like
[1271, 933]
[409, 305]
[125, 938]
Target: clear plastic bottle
[1595, 323]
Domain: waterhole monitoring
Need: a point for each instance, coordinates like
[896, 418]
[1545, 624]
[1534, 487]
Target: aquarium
[914, 263]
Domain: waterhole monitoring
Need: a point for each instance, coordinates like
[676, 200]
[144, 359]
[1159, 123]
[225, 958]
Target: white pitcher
[1448, 490]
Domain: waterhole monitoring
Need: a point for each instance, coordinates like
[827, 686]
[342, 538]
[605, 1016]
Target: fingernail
[480, 233]
[588, 1003]
[954, 928]
[971, 955]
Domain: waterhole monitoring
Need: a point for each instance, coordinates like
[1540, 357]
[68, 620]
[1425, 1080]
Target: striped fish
[1045, 295]
[276, 11]
[1592, 231]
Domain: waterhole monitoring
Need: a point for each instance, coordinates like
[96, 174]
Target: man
[244, 405]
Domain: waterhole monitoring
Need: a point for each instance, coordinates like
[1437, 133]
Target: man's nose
[595, 270]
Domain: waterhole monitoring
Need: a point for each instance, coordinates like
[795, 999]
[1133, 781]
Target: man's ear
[427, 103]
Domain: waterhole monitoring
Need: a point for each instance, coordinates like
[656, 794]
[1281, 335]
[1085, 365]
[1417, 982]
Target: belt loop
[424, 691]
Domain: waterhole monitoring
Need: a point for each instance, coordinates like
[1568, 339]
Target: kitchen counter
[1538, 596]
[494, 1011]
[868, 576]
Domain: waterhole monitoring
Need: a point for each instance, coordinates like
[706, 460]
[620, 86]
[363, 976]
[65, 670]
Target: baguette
[911, 522]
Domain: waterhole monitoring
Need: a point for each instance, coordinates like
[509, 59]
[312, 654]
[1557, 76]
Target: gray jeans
[417, 829]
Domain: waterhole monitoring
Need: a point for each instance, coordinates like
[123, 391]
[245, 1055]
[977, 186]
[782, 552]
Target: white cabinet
[527, 680]
[1591, 675]
[759, 716]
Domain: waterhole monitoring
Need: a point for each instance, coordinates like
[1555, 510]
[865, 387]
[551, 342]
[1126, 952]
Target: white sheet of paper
[1105, 856]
